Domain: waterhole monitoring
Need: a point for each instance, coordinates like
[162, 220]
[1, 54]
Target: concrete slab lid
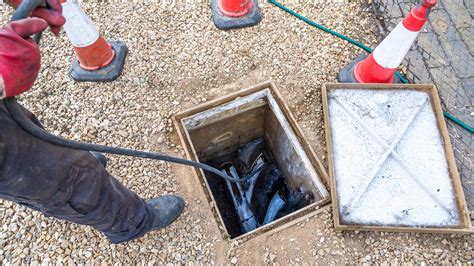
[389, 160]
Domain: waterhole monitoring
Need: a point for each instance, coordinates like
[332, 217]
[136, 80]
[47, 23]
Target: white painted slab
[411, 185]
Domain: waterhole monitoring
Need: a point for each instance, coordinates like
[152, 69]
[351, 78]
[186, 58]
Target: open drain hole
[268, 196]
[216, 133]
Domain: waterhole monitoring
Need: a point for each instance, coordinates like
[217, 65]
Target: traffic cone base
[108, 73]
[235, 19]
[97, 60]
[347, 74]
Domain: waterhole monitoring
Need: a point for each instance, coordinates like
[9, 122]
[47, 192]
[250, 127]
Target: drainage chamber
[251, 136]
[261, 199]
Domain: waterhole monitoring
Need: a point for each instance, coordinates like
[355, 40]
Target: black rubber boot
[100, 157]
[166, 210]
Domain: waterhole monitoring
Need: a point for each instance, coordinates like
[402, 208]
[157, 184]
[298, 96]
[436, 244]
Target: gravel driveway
[177, 60]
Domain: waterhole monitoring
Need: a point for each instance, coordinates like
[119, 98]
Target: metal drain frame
[284, 222]
[465, 221]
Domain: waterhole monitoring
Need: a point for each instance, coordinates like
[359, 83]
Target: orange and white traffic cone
[97, 60]
[233, 14]
[381, 64]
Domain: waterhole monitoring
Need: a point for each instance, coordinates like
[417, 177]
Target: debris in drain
[241, 203]
[260, 200]
[275, 206]
[295, 200]
[266, 186]
[248, 154]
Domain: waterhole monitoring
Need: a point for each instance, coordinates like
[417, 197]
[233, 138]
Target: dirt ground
[177, 60]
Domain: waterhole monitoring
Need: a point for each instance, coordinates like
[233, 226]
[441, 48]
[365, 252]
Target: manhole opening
[226, 136]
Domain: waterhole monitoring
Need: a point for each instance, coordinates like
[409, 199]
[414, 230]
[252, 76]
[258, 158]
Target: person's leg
[100, 157]
[73, 185]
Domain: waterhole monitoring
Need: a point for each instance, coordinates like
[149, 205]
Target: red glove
[52, 14]
[20, 59]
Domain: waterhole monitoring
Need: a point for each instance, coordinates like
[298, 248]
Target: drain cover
[390, 165]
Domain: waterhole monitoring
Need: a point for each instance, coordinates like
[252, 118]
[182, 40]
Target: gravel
[177, 60]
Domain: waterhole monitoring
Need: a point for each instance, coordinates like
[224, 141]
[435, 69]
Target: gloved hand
[20, 59]
[52, 14]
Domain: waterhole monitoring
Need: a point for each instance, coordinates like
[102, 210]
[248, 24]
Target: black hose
[23, 11]
[27, 125]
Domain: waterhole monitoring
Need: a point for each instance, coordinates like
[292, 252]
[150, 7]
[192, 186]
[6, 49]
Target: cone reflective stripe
[235, 8]
[92, 50]
[232, 14]
[381, 64]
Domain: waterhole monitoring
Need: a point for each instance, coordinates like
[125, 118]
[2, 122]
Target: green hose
[459, 122]
[365, 48]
